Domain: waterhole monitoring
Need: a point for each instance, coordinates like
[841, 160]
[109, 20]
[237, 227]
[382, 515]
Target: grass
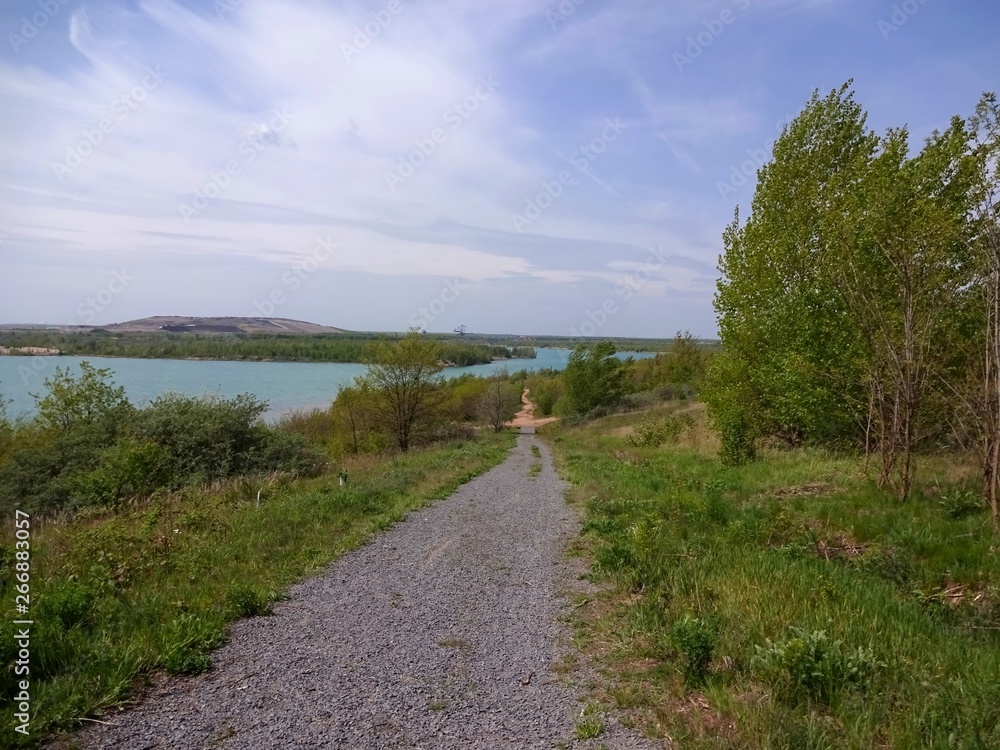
[116, 597]
[590, 724]
[788, 603]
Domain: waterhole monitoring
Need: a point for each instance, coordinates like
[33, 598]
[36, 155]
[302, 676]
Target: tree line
[254, 347]
[859, 303]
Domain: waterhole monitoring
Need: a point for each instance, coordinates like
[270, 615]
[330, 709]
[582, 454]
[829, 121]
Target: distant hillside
[182, 324]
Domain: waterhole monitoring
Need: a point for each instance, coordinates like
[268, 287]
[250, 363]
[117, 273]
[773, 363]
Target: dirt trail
[526, 417]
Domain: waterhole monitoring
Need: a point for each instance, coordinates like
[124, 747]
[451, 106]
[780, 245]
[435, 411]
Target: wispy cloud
[151, 105]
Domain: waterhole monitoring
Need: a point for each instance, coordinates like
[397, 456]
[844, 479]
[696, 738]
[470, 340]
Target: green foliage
[678, 373]
[808, 665]
[847, 298]
[784, 326]
[500, 401]
[547, 388]
[86, 400]
[733, 409]
[324, 347]
[653, 432]
[961, 503]
[187, 641]
[680, 540]
[246, 600]
[89, 446]
[590, 724]
[68, 603]
[6, 428]
[595, 377]
[695, 638]
[208, 438]
[129, 468]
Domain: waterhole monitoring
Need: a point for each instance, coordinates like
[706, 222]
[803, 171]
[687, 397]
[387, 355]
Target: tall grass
[117, 596]
[788, 603]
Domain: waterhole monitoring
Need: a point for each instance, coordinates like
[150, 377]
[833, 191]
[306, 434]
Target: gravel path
[439, 633]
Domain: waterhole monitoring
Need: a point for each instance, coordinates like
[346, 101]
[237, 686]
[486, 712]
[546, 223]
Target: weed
[695, 638]
[246, 600]
[652, 432]
[809, 665]
[959, 504]
[590, 724]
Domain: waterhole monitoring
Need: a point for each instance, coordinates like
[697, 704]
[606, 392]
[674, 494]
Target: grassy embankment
[117, 596]
[787, 603]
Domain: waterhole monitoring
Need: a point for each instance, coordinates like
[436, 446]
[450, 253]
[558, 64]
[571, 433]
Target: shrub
[695, 639]
[737, 445]
[595, 377]
[129, 468]
[808, 665]
[651, 433]
[67, 602]
[961, 503]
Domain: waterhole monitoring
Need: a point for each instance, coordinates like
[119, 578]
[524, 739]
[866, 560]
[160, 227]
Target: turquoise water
[284, 385]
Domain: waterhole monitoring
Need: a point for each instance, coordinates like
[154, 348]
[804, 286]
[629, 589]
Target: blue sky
[515, 166]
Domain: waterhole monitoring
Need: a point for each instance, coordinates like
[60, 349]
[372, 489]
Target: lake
[284, 385]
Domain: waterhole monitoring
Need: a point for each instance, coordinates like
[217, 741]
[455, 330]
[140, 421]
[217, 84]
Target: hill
[182, 324]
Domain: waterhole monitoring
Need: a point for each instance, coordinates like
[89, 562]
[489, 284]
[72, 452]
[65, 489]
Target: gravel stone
[439, 633]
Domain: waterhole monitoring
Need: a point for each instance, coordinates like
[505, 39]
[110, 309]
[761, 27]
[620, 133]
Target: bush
[652, 433]
[67, 602]
[737, 442]
[595, 377]
[962, 503]
[808, 665]
[129, 468]
[695, 639]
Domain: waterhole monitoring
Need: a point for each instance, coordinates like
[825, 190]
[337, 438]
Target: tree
[785, 328]
[595, 377]
[352, 408]
[982, 392]
[404, 377]
[684, 364]
[844, 296]
[500, 402]
[903, 270]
